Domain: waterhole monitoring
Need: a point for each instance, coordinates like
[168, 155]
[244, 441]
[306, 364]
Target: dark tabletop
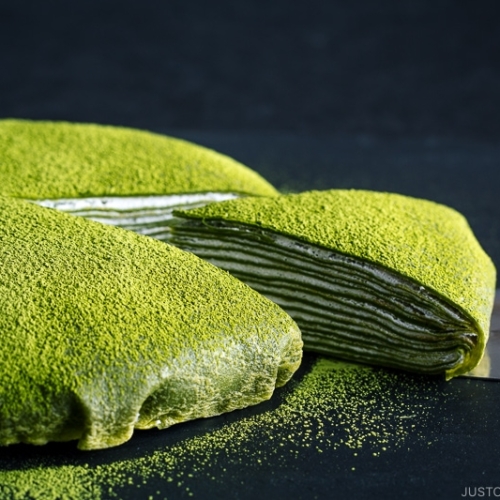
[395, 96]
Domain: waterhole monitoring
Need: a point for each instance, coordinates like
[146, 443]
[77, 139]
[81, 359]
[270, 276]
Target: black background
[387, 68]
[390, 95]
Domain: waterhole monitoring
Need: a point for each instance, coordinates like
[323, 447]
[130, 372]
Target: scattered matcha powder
[335, 405]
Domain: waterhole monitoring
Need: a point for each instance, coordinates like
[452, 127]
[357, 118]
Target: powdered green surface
[65, 160]
[422, 240]
[98, 324]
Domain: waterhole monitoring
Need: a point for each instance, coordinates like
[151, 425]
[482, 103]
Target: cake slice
[372, 277]
[119, 176]
[103, 331]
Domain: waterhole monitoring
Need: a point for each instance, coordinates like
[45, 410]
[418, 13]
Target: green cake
[372, 277]
[103, 331]
[119, 176]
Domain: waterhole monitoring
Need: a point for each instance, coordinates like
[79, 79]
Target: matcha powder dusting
[335, 409]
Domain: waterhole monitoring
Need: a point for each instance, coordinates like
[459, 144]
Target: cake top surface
[95, 309]
[422, 240]
[50, 160]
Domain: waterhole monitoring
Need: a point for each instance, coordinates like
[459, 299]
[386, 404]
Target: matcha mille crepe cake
[372, 277]
[103, 331]
[119, 176]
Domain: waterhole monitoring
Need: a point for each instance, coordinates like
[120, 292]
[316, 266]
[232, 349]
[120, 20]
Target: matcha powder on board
[336, 406]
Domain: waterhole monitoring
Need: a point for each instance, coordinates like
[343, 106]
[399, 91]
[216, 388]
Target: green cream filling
[345, 307]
